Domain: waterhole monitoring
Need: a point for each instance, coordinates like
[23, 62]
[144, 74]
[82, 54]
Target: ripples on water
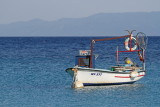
[32, 74]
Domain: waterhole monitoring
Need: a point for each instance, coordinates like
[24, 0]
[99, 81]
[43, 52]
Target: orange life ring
[127, 42]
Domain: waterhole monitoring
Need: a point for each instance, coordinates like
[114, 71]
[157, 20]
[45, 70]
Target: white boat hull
[89, 76]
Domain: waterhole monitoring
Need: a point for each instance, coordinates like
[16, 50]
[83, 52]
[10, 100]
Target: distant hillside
[104, 24]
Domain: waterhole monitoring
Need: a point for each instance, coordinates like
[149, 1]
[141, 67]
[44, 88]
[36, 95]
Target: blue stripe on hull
[100, 84]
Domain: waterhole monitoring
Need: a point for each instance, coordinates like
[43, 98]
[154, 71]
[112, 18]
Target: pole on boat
[117, 56]
[144, 65]
[91, 56]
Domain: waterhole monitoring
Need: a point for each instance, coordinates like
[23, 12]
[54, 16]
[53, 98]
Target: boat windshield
[84, 62]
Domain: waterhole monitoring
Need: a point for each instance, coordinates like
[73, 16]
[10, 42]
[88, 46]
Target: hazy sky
[23, 10]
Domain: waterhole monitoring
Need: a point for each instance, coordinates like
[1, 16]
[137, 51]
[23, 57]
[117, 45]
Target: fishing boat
[84, 73]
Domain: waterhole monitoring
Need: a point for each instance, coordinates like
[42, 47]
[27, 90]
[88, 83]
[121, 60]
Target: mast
[91, 56]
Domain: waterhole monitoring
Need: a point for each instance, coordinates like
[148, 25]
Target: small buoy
[134, 74]
[77, 84]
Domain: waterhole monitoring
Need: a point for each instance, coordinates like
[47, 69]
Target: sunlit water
[32, 74]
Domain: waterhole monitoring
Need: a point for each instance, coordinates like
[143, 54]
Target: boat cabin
[84, 59]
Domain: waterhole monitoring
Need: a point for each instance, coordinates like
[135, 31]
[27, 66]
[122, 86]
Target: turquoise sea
[32, 74]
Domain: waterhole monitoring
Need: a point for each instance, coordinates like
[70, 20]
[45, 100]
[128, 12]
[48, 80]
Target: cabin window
[84, 62]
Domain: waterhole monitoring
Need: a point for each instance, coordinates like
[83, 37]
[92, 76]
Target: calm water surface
[32, 74]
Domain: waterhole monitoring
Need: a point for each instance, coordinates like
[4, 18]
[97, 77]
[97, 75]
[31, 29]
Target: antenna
[130, 32]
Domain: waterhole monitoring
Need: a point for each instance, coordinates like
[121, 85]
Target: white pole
[144, 65]
[117, 56]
